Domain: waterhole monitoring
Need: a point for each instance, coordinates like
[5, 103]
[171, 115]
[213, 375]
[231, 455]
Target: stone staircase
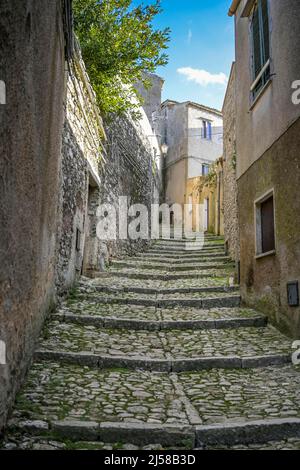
[157, 353]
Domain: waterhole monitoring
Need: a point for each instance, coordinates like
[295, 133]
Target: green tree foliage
[118, 44]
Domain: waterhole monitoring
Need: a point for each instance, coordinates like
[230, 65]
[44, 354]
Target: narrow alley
[157, 353]
[149, 230]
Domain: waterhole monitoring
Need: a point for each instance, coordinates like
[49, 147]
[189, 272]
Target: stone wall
[93, 175]
[32, 67]
[82, 154]
[231, 227]
[129, 171]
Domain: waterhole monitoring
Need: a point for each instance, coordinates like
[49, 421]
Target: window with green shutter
[260, 32]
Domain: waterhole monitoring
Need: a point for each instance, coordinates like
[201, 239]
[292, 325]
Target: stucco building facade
[268, 161]
[194, 136]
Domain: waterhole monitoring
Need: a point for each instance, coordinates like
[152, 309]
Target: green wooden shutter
[257, 59]
[266, 31]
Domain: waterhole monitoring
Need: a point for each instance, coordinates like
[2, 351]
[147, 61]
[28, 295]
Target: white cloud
[189, 36]
[202, 77]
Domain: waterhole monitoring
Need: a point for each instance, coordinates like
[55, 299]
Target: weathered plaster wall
[274, 112]
[264, 281]
[174, 123]
[202, 150]
[32, 66]
[188, 150]
[231, 227]
[151, 96]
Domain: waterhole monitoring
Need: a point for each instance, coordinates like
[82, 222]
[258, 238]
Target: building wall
[129, 171]
[151, 117]
[264, 281]
[182, 131]
[175, 135]
[96, 172]
[200, 188]
[202, 150]
[267, 141]
[231, 227]
[82, 154]
[259, 127]
[32, 66]
[151, 96]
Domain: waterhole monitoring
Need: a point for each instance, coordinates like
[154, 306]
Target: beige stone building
[268, 160]
[208, 192]
[194, 136]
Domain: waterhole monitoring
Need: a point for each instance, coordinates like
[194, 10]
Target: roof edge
[233, 7]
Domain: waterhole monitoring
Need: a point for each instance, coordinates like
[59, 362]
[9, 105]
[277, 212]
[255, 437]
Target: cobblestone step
[160, 285]
[175, 262]
[167, 245]
[206, 409]
[197, 300]
[178, 238]
[171, 267]
[103, 361]
[185, 250]
[123, 323]
[180, 260]
[175, 350]
[161, 275]
[178, 257]
[158, 352]
[154, 314]
[119, 286]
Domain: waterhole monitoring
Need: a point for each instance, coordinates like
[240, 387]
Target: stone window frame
[257, 224]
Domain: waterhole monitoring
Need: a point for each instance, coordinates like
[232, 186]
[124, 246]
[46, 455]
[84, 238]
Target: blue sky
[202, 40]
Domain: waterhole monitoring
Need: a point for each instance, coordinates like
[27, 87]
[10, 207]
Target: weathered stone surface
[118, 375]
[76, 430]
[158, 345]
[33, 67]
[248, 433]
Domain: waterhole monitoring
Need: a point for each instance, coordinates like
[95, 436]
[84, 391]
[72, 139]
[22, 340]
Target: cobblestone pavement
[195, 370]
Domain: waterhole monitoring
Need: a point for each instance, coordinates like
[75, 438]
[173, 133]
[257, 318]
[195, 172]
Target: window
[205, 169]
[260, 46]
[265, 225]
[206, 130]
